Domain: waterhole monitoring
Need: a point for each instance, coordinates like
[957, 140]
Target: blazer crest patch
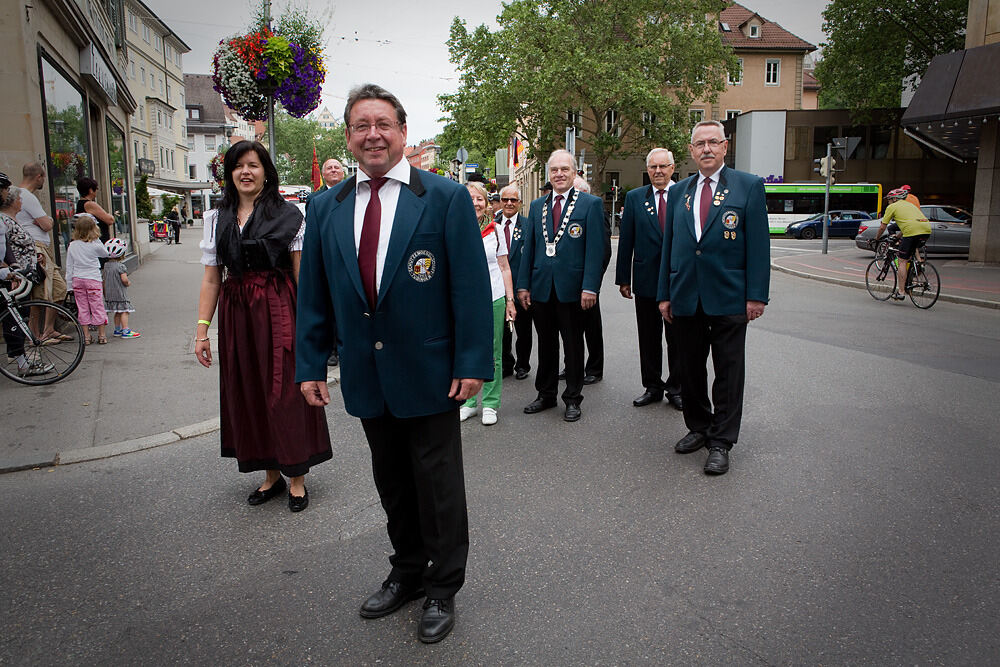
[575, 230]
[730, 220]
[421, 265]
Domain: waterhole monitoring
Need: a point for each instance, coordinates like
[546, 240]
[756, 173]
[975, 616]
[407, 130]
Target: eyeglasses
[714, 143]
[509, 200]
[664, 167]
[382, 126]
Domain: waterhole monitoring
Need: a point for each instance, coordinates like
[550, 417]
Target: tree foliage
[143, 204]
[876, 45]
[635, 57]
[295, 138]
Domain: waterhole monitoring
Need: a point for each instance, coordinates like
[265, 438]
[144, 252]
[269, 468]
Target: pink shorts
[89, 295]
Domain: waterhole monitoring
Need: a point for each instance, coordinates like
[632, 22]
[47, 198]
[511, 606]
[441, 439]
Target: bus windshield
[791, 202]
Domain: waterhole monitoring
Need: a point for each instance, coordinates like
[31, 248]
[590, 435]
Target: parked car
[951, 230]
[842, 223]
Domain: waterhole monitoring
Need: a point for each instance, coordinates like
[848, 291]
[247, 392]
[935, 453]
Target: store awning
[956, 96]
[178, 187]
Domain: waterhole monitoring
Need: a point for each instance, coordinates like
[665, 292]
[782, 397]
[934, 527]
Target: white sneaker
[489, 416]
[464, 412]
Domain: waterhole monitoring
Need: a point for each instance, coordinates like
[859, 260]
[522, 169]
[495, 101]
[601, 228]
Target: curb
[952, 298]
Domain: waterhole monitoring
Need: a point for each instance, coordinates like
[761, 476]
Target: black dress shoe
[298, 503]
[334, 360]
[437, 621]
[520, 373]
[676, 401]
[538, 405]
[649, 396]
[591, 379]
[717, 462]
[691, 442]
[572, 413]
[388, 599]
[258, 497]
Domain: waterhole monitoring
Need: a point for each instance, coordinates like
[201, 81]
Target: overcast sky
[399, 44]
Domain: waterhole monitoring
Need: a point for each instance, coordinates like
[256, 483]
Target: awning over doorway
[956, 96]
[178, 187]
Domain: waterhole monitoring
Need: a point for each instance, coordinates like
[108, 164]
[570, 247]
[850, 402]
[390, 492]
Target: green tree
[143, 205]
[643, 60]
[295, 138]
[451, 139]
[876, 45]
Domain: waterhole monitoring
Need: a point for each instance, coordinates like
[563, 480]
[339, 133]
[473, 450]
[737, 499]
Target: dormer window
[754, 31]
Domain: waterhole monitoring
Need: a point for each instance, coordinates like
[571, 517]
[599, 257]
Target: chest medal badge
[421, 265]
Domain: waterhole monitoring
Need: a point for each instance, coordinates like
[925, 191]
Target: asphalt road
[857, 526]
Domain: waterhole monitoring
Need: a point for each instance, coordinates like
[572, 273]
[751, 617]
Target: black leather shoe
[437, 621]
[298, 503]
[717, 462]
[572, 413]
[538, 405]
[562, 374]
[649, 396]
[258, 497]
[520, 373]
[388, 599]
[334, 360]
[691, 442]
[676, 401]
[591, 379]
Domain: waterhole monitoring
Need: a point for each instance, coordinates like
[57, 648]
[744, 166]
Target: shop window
[67, 139]
[120, 186]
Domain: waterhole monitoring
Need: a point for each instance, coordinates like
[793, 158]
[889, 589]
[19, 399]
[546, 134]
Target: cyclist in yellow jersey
[914, 225]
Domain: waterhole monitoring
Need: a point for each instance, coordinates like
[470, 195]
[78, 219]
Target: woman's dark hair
[270, 197]
[85, 185]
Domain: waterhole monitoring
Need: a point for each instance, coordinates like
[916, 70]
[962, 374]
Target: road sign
[471, 167]
[462, 155]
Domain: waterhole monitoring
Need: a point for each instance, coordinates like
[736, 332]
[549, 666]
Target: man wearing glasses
[714, 276]
[393, 261]
[637, 275]
[512, 225]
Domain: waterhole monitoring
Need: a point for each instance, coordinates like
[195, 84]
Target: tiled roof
[772, 35]
[809, 82]
[198, 91]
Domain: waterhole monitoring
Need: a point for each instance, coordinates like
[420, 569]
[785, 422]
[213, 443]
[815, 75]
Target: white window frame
[754, 31]
[573, 117]
[647, 119]
[210, 146]
[133, 22]
[190, 142]
[739, 81]
[145, 33]
[611, 121]
[142, 75]
[777, 71]
[696, 115]
[732, 113]
[157, 42]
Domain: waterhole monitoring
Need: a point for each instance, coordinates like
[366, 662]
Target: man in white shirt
[38, 224]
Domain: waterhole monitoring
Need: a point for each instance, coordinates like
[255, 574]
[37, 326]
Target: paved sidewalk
[961, 281]
[129, 394]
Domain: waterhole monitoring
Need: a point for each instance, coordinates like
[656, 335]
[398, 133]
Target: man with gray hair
[637, 275]
[559, 279]
[512, 224]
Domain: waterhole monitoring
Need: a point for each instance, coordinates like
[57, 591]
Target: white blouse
[207, 245]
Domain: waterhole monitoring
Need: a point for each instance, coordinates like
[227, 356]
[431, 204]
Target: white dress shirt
[666, 196]
[388, 197]
[697, 198]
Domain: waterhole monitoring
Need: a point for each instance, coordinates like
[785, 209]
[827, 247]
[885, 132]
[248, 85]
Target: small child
[83, 273]
[116, 289]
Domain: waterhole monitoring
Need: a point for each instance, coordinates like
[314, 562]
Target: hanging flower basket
[286, 62]
[215, 167]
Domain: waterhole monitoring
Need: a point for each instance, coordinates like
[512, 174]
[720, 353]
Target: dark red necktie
[706, 202]
[661, 212]
[556, 215]
[506, 234]
[368, 247]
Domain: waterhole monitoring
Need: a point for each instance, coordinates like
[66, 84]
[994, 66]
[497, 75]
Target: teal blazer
[579, 261]
[434, 317]
[731, 264]
[640, 242]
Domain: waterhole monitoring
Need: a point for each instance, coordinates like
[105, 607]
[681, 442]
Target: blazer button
[368, 316]
[378, 345]
[697, 252]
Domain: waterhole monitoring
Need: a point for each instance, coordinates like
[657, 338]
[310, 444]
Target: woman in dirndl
[251, 252]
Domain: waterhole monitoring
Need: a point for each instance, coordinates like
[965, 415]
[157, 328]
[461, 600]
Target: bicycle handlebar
[23, 287]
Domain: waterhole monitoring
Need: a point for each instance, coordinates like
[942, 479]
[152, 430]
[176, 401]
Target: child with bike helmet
[915, 228]
[116, 284]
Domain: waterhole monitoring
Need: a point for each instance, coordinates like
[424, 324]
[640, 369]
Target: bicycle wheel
[29, 359]
[880, 280]
[926, 286]
[881, 250]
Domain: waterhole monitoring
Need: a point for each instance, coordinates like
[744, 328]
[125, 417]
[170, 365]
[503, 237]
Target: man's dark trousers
[651, 328]
[552, 321]
[725, 336]
[521, 359]
[417, 465]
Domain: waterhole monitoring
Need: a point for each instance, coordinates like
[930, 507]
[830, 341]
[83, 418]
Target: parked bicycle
[28, 358]
[922, 283]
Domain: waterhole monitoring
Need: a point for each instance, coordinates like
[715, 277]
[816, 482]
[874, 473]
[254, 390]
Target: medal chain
[562, 227]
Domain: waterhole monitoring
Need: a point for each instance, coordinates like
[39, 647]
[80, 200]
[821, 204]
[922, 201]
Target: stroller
[159, 231]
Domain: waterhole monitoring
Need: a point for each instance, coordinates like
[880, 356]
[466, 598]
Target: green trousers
[491, 389]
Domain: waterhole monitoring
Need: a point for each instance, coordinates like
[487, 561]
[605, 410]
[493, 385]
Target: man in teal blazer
[516, 357]
[559, 278]
[714, 274]
[393, 259]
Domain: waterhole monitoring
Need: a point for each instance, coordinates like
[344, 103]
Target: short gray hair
[558, 152]
[649, 155]
[706, 123]
[581, 184]
[511, 186]
[10, 196]
[370, 91]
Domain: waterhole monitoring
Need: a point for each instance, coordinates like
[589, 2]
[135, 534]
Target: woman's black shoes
[298, 503]
[259, 497]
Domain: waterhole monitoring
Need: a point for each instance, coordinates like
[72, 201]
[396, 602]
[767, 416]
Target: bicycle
[28, 358]
[922, 283]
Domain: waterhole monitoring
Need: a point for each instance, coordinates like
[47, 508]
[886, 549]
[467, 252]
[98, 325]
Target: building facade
[209, 130]
[424, 155]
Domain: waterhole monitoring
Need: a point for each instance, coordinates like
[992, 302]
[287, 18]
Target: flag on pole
[317, 180]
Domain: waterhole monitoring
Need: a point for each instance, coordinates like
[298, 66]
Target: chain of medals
[550, 246]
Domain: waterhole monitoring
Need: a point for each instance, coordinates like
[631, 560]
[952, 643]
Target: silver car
[951, 229]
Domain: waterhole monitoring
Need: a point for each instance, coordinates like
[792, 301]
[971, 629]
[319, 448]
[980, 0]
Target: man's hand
[626, 291]
[315, 392]
[462, 389]
[754, 310]
[587, 300]
[524, 296]
[665, 311]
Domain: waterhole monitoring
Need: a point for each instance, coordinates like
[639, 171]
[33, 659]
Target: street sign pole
[571, 139]
[826, 201]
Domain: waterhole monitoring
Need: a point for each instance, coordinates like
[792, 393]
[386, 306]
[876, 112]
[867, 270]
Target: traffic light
[588, 171]
[825, 166]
